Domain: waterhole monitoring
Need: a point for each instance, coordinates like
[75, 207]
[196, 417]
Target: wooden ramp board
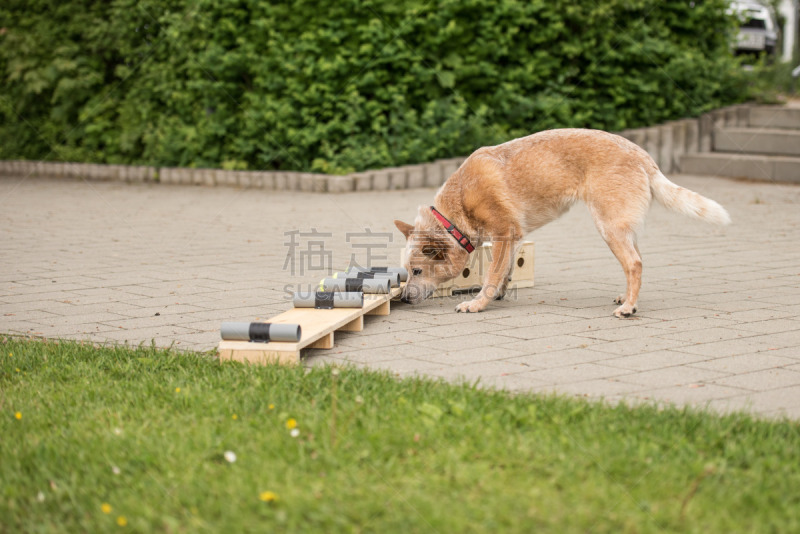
[317, 326]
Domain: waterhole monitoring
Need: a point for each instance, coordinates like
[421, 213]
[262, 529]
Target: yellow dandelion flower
[18, 369]
[18, 415]
[10, 354]
[291, 423]
[177, 390]
[106, 508]
[234, 416]
[121, 521]
[271, 406]
[268, 496]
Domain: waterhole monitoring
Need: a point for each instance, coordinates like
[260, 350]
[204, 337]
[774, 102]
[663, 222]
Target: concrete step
[753, 166]
[774, 117]
[775, 141]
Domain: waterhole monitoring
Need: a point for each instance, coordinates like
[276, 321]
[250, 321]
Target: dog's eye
[416, 272]
[431, 252]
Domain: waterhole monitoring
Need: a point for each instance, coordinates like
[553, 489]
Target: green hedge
[345, 85]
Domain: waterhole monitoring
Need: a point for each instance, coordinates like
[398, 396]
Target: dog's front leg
[496, 279]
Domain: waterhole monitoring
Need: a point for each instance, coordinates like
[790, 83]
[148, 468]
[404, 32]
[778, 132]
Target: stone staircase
[763, 143]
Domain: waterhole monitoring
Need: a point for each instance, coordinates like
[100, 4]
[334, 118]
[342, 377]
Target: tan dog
[500, 193]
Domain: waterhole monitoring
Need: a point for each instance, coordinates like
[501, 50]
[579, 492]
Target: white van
[758, 31]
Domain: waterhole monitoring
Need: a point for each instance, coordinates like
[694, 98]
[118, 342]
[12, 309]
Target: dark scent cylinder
[394, 278]
[329, 299]
[402, 271]
[375, 285]
[289, 333]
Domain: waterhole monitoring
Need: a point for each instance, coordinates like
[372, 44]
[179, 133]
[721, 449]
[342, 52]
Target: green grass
[373, 454]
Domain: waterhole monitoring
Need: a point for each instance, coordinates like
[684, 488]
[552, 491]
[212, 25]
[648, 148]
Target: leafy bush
[772, 83]
[346, 85]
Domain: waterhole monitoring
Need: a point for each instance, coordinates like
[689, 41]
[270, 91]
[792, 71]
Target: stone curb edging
[666, 143]
[406, 177]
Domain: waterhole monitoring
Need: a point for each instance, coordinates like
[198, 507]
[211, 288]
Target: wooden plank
[383, 309]
[258, 355]
[356, 325]
[317, 330]
[325, 342]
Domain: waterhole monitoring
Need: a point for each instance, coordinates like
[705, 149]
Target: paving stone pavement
[718, 323]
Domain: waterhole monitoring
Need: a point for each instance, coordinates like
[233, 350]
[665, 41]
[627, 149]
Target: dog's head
[432, 256]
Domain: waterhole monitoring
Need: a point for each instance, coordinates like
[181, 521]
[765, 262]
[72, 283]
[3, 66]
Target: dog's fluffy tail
[689, 203]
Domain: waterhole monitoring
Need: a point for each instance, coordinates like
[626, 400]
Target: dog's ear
[404, 228]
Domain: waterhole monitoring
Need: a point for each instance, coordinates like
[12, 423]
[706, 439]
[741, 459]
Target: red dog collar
[453, 231]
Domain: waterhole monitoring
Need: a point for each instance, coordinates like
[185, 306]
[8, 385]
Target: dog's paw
[470, 306]
[619, 300]
[624, 311]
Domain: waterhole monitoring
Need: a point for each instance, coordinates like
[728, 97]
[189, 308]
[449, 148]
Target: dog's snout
[416, 272]
[415, 293]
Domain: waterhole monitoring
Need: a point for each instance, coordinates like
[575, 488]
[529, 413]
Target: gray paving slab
[746, 363]
[596, 388]
[515, 382]
[555, 359]
[696, 394]
[654, 360]
[718, 325]
[550, 343]
[470, 372]
[567, 374]
[407, 367]
[677, 375]
[470, 355]
[774, 402]
[705, 335]
[762, 380]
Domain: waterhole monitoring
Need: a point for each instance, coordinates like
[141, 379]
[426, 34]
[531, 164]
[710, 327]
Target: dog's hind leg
[618, 203]
[619, 235]
[621, 298]
[623, 244]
